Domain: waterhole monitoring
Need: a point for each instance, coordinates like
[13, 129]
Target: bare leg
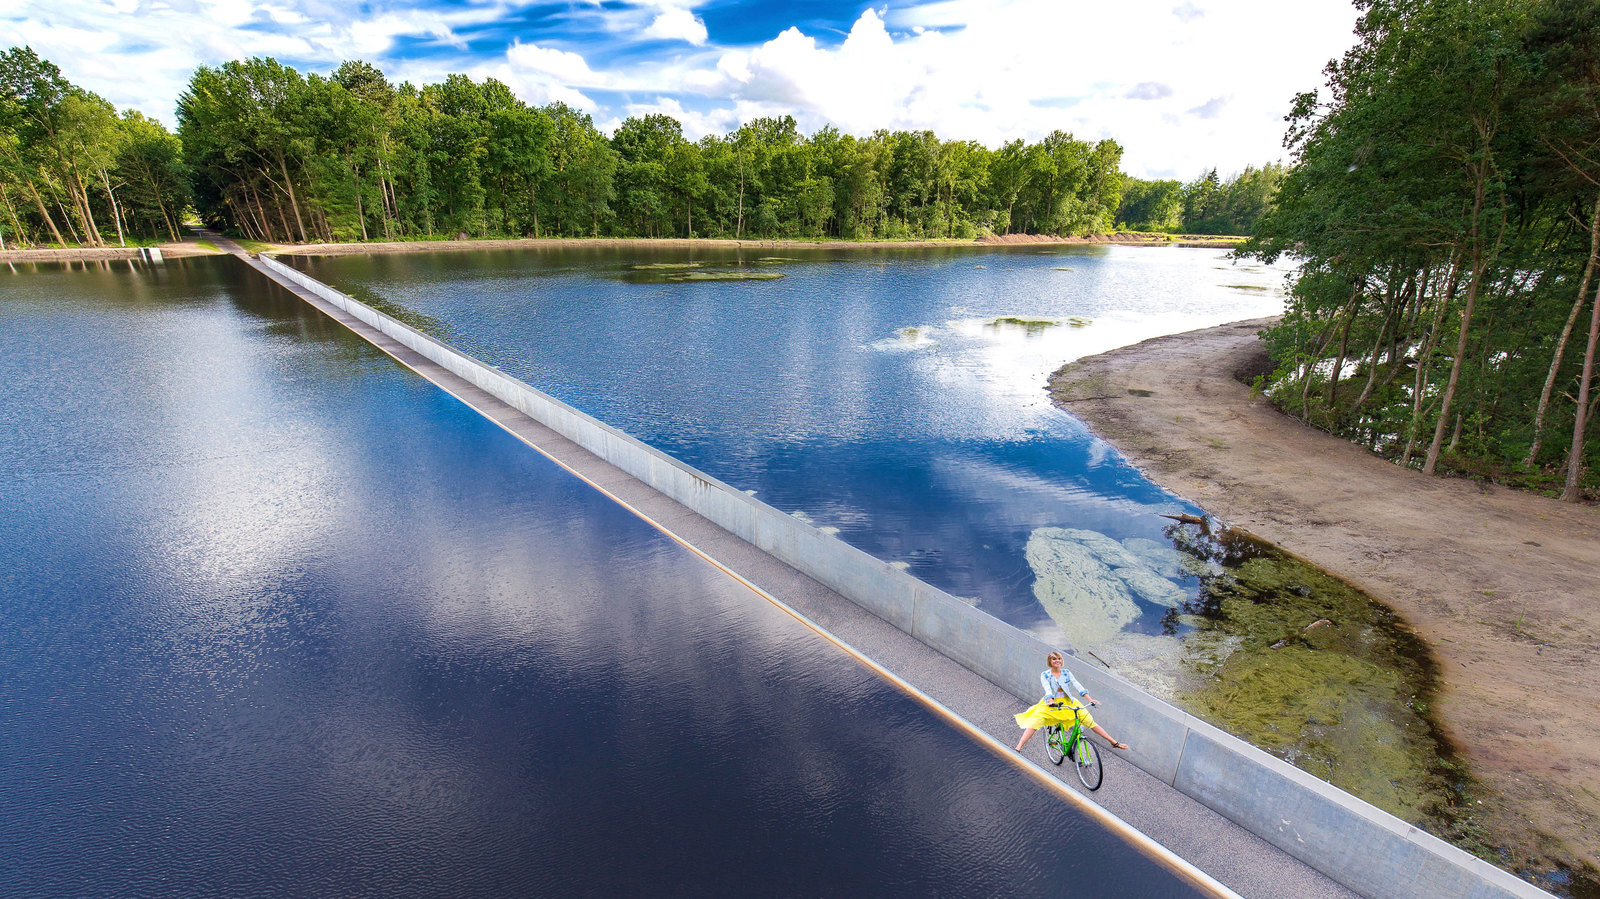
[1108, 738]
[1026, 736]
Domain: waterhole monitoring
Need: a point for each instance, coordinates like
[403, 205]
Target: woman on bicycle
[1058, 706]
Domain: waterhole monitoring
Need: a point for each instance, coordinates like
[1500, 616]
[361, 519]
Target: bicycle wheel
[1052, 744]
[1090, 770]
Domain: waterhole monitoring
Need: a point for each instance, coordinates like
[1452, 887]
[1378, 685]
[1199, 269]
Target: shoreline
[1499, 584]
[191, 248]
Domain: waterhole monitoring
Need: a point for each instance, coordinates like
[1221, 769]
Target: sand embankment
[1503, 585]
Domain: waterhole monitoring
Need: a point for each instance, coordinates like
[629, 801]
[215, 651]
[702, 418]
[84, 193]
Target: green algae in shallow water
[776, 260]
[727, 276]
[664, 266]
[1031, 325]
[661, 273]
[1348, 701]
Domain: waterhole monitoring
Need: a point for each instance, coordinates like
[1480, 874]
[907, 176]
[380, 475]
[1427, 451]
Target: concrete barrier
[1351, 841]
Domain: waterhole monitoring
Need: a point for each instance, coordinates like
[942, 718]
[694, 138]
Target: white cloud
[552, 64]
[695, 124]
[994, 71]
[676, 24]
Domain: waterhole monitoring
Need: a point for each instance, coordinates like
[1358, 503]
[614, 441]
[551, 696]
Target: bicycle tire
[1052, 745]
[1090, 769]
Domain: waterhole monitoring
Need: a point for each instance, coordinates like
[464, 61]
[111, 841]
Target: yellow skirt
[1042, 714]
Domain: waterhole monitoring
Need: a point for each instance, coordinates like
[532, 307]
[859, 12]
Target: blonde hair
[1055, 655]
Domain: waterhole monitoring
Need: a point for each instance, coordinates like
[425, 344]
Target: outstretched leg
[1026, 736]
[1108, 738]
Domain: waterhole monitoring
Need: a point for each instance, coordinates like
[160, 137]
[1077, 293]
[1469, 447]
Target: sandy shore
[192, 248]
[103, 254]
[1503, 585]
[421, 246]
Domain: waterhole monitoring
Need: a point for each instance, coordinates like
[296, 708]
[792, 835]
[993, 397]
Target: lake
[278, 617]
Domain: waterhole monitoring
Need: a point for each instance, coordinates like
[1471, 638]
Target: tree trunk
[1566, 334]
[1479, 264]
[45, 214]
[738, 231]
[80, 201]
[1344, 343]
[116, 211]
[16, 222]
[1425, 355]
[1581, 413]
[294, 202]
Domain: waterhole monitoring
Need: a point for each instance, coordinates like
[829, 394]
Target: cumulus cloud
[1210, 109]
[1188, 12]
[557, 65]
[695, 124]
[677, 24]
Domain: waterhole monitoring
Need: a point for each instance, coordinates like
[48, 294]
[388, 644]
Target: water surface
[897, 398]
[278, 617]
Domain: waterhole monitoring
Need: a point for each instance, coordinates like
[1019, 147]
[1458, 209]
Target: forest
[1443, 206]
[268, 153]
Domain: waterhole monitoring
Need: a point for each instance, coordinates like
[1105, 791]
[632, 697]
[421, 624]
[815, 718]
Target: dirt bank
[420, 246]
[96, 254]
[1505, 586]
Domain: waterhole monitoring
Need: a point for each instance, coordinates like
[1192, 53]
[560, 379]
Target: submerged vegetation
[1317, 673]
[1445, 201]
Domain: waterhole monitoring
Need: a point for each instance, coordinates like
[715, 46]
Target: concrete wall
[1368, 850]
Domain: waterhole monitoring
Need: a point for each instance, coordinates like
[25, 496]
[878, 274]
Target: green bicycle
[1061, 743]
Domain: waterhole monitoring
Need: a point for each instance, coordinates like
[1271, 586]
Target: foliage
[281, 156]
[1444, 206]
[71, 167]
[1206, 205]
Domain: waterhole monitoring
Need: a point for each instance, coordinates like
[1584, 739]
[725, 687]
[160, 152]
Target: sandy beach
[1503, 585]
[193, 247]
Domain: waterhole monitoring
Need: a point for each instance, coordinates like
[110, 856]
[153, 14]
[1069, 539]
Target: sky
[1183, 85]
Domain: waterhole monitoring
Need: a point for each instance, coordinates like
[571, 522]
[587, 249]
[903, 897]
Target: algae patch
[1319, 674]
[682, 272]
[1033, 326]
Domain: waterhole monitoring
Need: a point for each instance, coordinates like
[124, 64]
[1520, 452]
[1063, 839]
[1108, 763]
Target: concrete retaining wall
[1362, 847]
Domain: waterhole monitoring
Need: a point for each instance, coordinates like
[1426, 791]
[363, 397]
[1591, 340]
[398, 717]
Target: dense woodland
[268, 153]
[1444, 201]
[281, 156]
[72, 171]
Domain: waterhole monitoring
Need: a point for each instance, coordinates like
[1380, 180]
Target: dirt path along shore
[1503, 585]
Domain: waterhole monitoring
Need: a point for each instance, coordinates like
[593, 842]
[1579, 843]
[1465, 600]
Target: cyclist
[1058, 706]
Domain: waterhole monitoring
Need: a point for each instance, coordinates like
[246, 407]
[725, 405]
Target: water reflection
[894, 395]
[898, 398]
[280, 618]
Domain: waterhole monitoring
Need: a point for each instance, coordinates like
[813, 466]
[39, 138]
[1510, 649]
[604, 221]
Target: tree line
[279, 155]
[1206, 205]
[269, 153]
[74, 171]
[1444, 202]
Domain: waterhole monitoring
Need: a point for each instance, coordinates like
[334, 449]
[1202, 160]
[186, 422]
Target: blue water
[279, 618]
[882, 393]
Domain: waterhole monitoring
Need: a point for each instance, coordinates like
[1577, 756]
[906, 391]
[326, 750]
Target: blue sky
[1183, 85]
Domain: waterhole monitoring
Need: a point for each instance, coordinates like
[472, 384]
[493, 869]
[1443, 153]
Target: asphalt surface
[1238, 859]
